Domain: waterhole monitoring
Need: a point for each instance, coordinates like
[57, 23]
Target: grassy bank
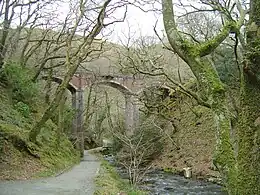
[22, 159]
[21, 105]
[109, 183]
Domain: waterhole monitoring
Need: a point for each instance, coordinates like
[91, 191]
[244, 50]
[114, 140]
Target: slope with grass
[21, 104]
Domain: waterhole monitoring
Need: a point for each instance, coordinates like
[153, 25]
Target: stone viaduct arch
[59, 80]
[125, 84]
[131, 109]
[129, 86]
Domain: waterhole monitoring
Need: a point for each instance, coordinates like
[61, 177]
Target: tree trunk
[224, 154]
[249, 142]
[54, 104]
[60, 120]
[5, 30]
[213, 91]
[249, 121]
[48, 86]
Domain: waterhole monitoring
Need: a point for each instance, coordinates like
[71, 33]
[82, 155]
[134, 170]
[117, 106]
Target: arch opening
[123, 89]
[58, 80]
[131, 110]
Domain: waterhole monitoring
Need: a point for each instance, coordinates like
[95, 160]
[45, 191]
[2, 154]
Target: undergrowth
[110, 183]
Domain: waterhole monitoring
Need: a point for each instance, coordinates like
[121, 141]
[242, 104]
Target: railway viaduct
[129, 86]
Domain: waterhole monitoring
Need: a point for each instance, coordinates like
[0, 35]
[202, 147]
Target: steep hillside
[20, 106]
[194, 140]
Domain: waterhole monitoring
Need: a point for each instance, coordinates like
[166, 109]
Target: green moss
[168, 169]
[224, 154]
[52, 156]
[188, 47]
[208, 46]
[208, 78]
[249, 142]
[9, 129]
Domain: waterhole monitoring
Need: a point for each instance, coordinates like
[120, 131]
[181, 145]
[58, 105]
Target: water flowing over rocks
[161, 183]
[158, 182]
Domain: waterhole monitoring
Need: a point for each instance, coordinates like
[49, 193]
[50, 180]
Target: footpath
[78, 181]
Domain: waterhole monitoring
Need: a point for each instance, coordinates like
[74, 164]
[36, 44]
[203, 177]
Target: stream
[161, 183]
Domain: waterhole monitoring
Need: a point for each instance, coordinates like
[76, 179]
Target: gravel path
[78, 181]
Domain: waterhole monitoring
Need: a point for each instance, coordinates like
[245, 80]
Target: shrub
[138, 151]
[19, 81]
[23, 108]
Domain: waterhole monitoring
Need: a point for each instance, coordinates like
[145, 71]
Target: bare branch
[171, 28]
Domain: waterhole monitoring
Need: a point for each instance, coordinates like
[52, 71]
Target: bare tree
[75, 56]
[15, 16]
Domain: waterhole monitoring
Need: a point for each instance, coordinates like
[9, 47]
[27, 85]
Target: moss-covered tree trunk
[238, 158]
[212, 90]
[249, 122]
[60, 127]
[249, 140]
[54, 104]
[48, 86]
